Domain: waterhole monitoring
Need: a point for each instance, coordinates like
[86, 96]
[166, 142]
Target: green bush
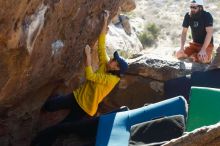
[150, 35]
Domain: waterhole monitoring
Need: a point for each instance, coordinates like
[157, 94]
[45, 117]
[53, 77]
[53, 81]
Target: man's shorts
[194, 48]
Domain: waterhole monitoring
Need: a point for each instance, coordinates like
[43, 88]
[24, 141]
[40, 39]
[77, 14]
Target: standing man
[201, 24]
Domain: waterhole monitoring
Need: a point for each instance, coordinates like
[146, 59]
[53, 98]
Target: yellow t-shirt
[98, 84]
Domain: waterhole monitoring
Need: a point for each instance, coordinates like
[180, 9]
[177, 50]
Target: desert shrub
[150, 34]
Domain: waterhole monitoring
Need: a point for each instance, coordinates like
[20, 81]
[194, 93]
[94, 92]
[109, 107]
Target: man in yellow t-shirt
[84, 101]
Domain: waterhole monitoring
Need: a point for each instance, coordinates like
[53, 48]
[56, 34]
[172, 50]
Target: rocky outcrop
[159, 68]
[133, 91]
[125, 44]
[209, 135]
[122, 36]
[128, 6]
[41, 51]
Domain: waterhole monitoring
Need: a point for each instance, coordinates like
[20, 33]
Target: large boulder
[118, 39]
[161, 65]
[41, 52]
[133, 91]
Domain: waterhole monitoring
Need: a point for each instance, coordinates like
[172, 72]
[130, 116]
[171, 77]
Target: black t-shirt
[198, 26]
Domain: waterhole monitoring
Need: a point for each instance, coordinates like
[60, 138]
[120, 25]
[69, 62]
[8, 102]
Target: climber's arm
[101, 41]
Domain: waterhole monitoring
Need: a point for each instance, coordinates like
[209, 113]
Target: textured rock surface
[128, 6]
[205, 136]
[133, 91]
[125, 44]
[41, 51]
[162, 69]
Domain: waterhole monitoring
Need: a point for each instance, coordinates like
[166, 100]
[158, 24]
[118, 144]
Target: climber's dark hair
[115, 72]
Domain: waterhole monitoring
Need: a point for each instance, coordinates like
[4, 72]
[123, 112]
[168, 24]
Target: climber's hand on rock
[88, 55]
[87, 50]
[106, 15]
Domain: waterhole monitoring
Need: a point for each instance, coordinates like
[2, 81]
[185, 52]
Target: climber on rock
[83, 102]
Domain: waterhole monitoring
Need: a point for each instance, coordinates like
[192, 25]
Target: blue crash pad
[182, 85]
[114, 128]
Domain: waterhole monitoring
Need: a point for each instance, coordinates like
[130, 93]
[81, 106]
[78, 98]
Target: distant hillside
[167, 15]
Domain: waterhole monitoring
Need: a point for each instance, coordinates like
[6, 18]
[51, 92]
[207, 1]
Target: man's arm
[202, 54]
[183, 37]
[106, 16]
[96, 77]
[209, 31]
[181, 53]
[185, 25]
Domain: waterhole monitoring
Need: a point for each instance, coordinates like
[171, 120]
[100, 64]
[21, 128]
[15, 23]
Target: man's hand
[180, 54]
[202, 56]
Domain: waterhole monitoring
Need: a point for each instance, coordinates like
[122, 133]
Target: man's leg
[209, 51]
[192, 50]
